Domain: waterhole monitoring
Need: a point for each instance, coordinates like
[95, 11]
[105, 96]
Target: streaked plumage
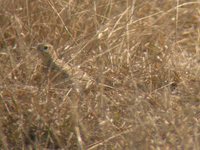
[57, 71]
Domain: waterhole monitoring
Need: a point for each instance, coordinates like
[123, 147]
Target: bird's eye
[45, 48]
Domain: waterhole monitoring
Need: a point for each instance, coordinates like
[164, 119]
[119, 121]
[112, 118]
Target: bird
[57, 71]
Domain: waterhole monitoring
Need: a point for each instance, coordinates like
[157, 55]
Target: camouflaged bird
[58, 72]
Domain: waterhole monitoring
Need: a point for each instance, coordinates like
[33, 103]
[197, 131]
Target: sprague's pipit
[57, 72]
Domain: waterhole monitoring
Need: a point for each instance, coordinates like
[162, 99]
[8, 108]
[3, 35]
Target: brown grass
[143, 55]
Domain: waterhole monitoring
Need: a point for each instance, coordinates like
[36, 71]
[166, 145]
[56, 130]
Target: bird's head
[43, 49]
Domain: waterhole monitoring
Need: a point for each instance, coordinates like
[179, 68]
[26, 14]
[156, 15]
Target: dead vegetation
[144, 57]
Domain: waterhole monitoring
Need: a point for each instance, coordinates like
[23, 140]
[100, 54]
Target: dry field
[142, 55]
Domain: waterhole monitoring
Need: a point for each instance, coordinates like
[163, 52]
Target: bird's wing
[76, 74]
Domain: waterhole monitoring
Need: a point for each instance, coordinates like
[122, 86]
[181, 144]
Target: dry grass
[144, 57]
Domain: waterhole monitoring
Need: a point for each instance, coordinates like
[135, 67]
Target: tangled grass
[144, 57]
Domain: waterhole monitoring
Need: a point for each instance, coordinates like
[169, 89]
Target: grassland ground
[144, 59]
